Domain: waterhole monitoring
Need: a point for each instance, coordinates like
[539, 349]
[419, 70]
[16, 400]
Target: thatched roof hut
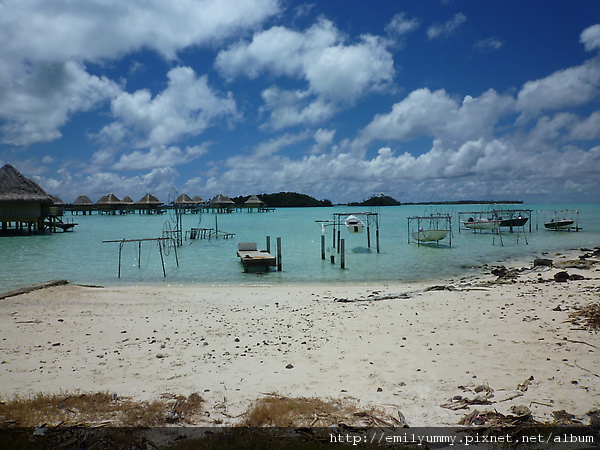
[184, 199]
[198, 200]
[149, 200]
[14, 187]
[83, 200]
[221, 199]
[22, 200]
[109, 203]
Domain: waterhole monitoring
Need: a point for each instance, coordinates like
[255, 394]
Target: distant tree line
[293, 199]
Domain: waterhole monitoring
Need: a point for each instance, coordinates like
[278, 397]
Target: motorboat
[563, 224]
[514, 222]
[354, 224]
[482, 224]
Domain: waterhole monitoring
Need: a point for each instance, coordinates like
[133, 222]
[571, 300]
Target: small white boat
[430, 235]
[563, 224]
[354, 224]
[482, 224]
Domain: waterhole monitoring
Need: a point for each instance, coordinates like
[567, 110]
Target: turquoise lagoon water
[82, 257]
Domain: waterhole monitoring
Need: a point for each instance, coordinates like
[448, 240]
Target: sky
[430, 100]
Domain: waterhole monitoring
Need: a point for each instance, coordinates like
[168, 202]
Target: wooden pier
[250, 256]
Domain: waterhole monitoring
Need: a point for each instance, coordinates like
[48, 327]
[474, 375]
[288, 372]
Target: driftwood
[35, 287]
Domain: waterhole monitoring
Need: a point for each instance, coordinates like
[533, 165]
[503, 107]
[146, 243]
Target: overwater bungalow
[222, 203]
[83, 204]
[254, 202]
[109, 204]
[24, 205]
[128, 205]
[149, 204]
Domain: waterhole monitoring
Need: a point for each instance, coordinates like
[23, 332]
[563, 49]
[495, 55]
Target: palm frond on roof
[149, 199]
[14, 187]
[221, 199]
[83, 200]
[110, 199]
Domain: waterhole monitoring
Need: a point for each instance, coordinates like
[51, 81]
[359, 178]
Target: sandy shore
[396, 346]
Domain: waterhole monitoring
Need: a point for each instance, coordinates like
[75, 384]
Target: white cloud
[44, 98]
[186, 107]
[59, 30]
[43, 80]
[161, 156]
[336, 73]
[447, 28]
[489, 44]
[436, 114]
[400, 25]
[563, 89]
[590, 38]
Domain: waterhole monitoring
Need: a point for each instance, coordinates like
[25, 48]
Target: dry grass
[587, 317]
[275, 411]
[86, 409]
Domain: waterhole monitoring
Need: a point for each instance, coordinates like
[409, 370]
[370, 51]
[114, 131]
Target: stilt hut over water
[83, 204]
[185, 203]
[109, 204]
[128, 205]
[149, 204]
[254, 203]
[24, 205]
[222, 203]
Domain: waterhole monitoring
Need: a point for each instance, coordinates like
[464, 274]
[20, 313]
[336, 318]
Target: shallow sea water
[82, 257]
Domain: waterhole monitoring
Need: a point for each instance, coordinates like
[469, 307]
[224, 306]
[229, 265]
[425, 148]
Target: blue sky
[423, 101]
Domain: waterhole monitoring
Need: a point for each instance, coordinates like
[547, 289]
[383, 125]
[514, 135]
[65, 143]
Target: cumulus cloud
[36, 105]
[590, 38]
[335, 72]
[45, 46]
[446, 28]
[563, 89]
[61, 30]
[437, 114]
[186, 107]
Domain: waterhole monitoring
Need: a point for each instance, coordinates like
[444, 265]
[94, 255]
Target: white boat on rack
[430, 235]
[482, 224]
[354, 224]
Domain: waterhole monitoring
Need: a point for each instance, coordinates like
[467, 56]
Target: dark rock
[558, 308]
[289, 366]
[576, 276]
[542, 262]
[500, 271]
[561, 277]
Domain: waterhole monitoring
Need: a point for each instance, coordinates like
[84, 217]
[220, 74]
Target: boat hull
[483, 225]
[559, 224]
[354, 224]
[517, 222]
[430, 235]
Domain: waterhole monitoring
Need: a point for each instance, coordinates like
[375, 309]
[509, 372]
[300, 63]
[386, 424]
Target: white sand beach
[396, 346]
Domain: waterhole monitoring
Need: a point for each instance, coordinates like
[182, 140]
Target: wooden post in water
[368, 235]
[268, 244]
[139, 254]
[343, 254]
[120, 249]
[279, 254]
[162, 260]
[322, 246]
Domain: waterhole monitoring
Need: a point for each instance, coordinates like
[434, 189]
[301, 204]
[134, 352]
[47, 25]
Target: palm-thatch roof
[14, 187]
[221, 199]
[83, 200]
[56, 201]
[197, 200]
[254, 200]
[149, 199]
[184, 199]
[110, 199]
[127, 200]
